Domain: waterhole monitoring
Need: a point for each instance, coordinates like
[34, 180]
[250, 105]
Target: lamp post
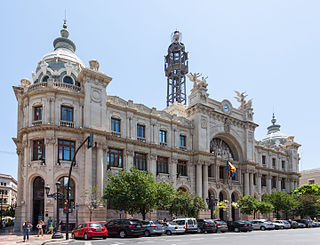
[211, 204]
[57, 195]
[2, 191]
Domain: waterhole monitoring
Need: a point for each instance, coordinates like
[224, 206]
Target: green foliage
[10, 211]
[185, 204]
[282, 203]
[265, 207]
[248, 205]
[137, 192]
[308, 205]
[313, 189]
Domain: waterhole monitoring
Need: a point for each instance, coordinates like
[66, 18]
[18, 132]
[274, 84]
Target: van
[190, 224]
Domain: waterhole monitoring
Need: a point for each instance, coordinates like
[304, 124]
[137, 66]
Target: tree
[137, 192]
[282, 203]
[248, 205]
[185, 203]
[92, 199]
[265, 207]
[308, 205]
[312, 189]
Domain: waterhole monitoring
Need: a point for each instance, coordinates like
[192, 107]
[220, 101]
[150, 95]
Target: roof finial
[64, 32]
[273, 119]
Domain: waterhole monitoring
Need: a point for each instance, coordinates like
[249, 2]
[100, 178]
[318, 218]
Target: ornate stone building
[187, 145]
[8, 191]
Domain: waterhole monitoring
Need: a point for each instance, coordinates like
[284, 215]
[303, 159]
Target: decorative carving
[197, 83]
[227, 125]
[94, 65]
[51, 140]
[250, 136]
[221, 149]
[203, 122]
[96, 95]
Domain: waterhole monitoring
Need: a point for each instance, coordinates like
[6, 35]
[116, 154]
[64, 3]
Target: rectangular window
[283, 164]
[183, 142]
[274, 182]
[141, 131]
[66, 149]
[273, 162]
[37, 113]
[39, 150]
[254, 179]
[140, 161]
[182, 168]
[263, 160]
[66, 113]
[162, 165]
[221, 172]
[263, 180]
[210, 168]
[163, 136]
[283, 184]
[115, 125]
[114, 158]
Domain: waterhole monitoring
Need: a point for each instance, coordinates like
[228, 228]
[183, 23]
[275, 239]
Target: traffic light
[90, 141]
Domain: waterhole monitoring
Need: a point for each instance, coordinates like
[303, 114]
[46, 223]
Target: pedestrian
[50, 230]
[40, 228]
[49, 221]
[26, 227]
[60, 225]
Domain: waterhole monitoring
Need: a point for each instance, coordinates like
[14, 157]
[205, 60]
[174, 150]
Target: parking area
[276, 237]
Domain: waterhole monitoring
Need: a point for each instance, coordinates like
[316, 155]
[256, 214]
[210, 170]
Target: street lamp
[57, 195]
[211, 204]
[2, 191]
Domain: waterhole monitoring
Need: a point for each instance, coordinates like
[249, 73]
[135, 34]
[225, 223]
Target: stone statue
[244, 105]
[197, 83]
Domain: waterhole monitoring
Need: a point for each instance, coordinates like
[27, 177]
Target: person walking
[26, 227]
[40, 228]
[50, 230]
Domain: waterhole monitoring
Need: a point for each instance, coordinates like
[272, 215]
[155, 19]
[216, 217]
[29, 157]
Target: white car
[285, 223]
[190, 224]
[173, 228]
[261, 224]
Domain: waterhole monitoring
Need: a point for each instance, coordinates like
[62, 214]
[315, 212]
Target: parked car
[173, 228]
[307, 222]
[315, 224]
[190, 224]
[124, 227]
[286, 224]
[294, 224]
[301, 225]
[239, 226]
[152, 228]
[221, 226]
[88, 230]
[262, 224]
[206, 225]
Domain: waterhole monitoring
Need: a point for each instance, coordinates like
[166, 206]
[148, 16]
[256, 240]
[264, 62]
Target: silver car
[152, 228]
[173, 228]
[258, 224]
[285, 223]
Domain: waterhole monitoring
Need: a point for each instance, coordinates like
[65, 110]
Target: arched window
[68, 80]
[63, 189]
[182, 189]
[45, 78]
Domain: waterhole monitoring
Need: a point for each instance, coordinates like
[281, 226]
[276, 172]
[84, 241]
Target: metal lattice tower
[176, 67]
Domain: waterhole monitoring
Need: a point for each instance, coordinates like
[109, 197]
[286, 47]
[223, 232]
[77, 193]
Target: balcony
[67, 124]
[141, 139]
[183, 148]
[163, 144]
[58, 85]
[117, 134]
[36, 123]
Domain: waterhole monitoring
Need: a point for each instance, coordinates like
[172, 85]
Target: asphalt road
[279, 237]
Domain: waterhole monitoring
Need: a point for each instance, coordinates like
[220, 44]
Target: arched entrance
[222, 213]
[38, 200]
[234, 211]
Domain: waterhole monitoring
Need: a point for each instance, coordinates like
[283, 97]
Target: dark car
[239, 226]
[221, 226]
[294, 224]
[124, 227]
[307, 222]
[206, 225]
[88, 230]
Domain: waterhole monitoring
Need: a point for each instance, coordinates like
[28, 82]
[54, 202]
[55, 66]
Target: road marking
[195, 239]
[87, 243]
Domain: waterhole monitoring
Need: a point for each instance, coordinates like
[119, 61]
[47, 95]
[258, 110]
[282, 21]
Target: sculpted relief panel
[220, 149]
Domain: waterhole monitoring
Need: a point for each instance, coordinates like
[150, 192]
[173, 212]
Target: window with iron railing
[141, 131]
[115, 125]
[163, 136]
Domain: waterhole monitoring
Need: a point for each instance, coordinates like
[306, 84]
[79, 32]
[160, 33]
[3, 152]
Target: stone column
[279, 184]
[205, 181]
[153, 164]
[129, 159]
[199, 179]
[88, 168]
[246, 183]
[173, 171]
[268, 184]
[291, 185]
[100, 170]
[251, 184]
[259, 184]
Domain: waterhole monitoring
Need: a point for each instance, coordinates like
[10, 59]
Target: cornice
[93, 74]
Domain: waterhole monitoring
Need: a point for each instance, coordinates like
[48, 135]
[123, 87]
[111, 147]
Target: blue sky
[270, 49]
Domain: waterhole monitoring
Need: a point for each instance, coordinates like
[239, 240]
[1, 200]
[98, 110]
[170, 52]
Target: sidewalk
[10, 239]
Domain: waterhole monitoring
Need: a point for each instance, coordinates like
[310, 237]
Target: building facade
[310, 176]
[8, 191]
[187, 145]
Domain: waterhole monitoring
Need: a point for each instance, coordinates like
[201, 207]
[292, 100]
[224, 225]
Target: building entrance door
[38, 200]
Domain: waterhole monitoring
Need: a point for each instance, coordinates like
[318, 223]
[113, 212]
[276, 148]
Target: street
[278, 237]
